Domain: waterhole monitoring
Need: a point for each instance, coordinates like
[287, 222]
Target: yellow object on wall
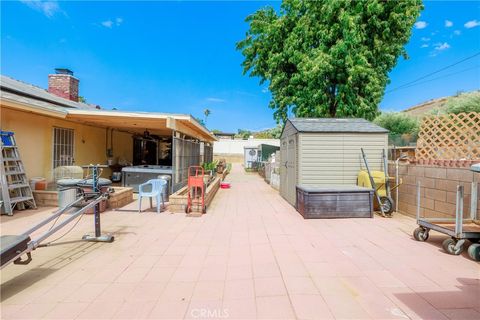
[379, 179]
[34, 136]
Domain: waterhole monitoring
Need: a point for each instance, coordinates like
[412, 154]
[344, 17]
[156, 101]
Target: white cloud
[472, 24]
[457, 32]
[420, 24]
[439, 47]
[424, 45]
[107, 24]
[448, 23]
[48, 8]
[442, 46]
[211, 99]
[111, 23]
[425, 39]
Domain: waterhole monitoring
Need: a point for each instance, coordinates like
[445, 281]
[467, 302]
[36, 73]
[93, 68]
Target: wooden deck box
[334, 202]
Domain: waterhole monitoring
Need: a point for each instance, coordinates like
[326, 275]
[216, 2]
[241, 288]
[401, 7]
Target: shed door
[283, 168]
[291, 170]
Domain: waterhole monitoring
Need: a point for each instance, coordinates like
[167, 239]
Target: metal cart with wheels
[459, 229]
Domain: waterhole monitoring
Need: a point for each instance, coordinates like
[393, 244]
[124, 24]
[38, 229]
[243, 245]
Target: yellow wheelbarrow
[381, 183]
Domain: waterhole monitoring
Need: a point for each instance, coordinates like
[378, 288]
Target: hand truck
[196, 191]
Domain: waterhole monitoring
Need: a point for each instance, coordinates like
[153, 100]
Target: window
[63, 146]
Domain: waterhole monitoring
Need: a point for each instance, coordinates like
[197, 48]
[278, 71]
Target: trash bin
[103, 185]
[166, 191]
[67, 191]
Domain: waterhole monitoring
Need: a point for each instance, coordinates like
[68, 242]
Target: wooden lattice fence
[449, 137]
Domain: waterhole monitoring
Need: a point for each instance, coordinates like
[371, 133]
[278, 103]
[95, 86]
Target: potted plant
[210, 169]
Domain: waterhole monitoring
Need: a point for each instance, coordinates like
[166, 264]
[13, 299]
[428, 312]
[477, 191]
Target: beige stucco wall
[34, 136]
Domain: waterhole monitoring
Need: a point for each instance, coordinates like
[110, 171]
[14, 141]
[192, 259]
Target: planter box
[334, 202]
[120, 198]
[45, 198]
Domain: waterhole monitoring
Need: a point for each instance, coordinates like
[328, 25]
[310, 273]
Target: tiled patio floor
[251, 256]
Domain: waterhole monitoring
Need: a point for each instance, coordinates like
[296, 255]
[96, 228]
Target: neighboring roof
[224, 134]
[425, 107]
[268, 144]
[20, 90]
[336, 125]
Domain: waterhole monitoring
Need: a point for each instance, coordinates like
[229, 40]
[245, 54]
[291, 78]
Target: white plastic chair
[157, 187]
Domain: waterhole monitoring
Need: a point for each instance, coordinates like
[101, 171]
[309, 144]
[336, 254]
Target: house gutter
[6, 102]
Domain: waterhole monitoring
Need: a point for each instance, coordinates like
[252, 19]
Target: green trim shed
[325, 152]
[266, 150]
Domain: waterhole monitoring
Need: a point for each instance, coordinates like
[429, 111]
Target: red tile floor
[251, 256]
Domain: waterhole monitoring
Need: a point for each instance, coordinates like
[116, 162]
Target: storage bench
[334, 202]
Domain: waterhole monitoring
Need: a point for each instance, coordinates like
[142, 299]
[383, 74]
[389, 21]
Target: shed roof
[336, 125]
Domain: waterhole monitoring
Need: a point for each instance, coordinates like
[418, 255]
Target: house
[52, 128]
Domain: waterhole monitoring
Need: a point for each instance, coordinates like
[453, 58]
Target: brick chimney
[63, 84]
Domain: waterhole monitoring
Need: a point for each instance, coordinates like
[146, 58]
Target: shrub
[403, 128]
[465, 102]
[398, 123]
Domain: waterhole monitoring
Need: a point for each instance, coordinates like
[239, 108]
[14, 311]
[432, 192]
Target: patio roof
[139, 121]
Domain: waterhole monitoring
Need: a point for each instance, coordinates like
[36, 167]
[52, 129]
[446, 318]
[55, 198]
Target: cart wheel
[387, 204]
[420, 234]
[449, 246]
[204, 210]
[474, 251]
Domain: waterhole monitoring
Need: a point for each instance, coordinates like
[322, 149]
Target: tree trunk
[332, 108]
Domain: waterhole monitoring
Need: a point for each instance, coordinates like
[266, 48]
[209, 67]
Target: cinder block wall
[438, 191]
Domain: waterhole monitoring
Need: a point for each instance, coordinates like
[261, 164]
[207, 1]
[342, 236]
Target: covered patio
[183, 141]
[251, 256]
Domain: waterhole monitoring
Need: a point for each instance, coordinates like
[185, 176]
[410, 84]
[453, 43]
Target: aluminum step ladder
[16, 191]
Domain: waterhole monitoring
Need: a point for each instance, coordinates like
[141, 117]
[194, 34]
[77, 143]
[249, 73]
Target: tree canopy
[327, 58]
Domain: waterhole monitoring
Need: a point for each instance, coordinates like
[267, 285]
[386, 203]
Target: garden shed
[325, 152]
[266, 150]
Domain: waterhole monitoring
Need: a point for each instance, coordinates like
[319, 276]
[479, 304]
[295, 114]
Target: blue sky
[180, 56]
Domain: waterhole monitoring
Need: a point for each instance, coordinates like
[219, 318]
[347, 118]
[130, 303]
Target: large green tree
[327, 58]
